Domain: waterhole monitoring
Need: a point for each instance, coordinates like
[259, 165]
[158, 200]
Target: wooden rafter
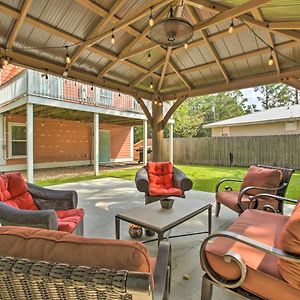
[291, 34]
[258, 15]
[164, 69]
[292, 81]
[180, 75]
[24, 10]
[145, 109]
[144, 76]
[101, 26]
[172, 109]
[291, 25]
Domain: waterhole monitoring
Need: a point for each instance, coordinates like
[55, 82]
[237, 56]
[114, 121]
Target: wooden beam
[144, 76]
[291, 25]
[214, 7]
[127, 21]
[145, 109]
[292, 81]
[18, 24]
[164, 69]
[246, 82]
[101, 26]
[57, 69]
[172, 109]
[258, 15]
[180, 75]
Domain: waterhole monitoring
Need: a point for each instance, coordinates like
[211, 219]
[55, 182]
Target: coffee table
[161, 220]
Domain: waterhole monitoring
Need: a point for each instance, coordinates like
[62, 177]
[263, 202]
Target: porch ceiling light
[171, 31]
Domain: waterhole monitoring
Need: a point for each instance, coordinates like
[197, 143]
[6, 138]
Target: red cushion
[160, 191]
[160, 168]
[16, 193]
[68, 219]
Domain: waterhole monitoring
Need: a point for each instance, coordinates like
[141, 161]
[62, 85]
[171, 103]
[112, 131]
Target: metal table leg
[117, 226]
[209, 219]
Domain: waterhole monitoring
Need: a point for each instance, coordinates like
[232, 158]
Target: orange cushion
[17, 194]
[68, 219]
[161, 191]
[63, 247]
[261, 177]
[263, 278]
[290, 242]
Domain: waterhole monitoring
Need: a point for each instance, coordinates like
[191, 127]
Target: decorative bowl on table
[135, 231]
[167, 203]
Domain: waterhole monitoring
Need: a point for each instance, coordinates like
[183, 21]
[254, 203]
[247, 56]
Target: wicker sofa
[46, 264]
[25, 204]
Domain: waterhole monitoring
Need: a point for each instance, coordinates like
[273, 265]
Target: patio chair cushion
[229, 198]
[63, 247]
[14, 192]
[289, 241]
[261, 177]
[160, 176]
[263, 277]
[68, 219]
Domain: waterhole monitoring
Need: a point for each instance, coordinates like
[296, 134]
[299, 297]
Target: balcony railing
[35, 83]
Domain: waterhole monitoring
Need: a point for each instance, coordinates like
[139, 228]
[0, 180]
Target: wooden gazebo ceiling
[35, 33]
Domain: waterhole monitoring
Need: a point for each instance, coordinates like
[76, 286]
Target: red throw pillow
[4, 193]
[289, 241]
[261, 177]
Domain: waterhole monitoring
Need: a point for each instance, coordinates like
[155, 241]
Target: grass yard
[204, 177]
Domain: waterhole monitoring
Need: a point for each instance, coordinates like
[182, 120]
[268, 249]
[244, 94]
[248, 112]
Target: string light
[60, 123]
[160, 103]
[271, 59]
[151, 21]
[151, 84]
[5, 61]
[112, 40]
[66, 72]
[42, 124]
[230, 29]
[149, 57]
[68, 58]
[155, 101]
[186, 46]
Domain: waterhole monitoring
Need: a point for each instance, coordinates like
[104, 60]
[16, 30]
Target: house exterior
[62, 122]
[283, 120]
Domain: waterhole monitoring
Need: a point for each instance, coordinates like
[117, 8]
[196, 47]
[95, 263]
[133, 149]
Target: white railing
[53, 87]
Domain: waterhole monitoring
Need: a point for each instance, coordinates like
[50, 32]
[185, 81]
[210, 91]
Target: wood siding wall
[280, 150]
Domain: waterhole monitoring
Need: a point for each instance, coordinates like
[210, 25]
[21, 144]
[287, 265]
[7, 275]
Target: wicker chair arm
[232, 256]
[181, 181]
[58, 200]
[256, 198]
[141, 180]
[263, 189]
[162, 272]
[224, 180]
[10, 216]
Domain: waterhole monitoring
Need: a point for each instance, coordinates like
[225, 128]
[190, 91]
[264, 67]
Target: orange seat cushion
[261, 177]
[160, 176]
[14, 192]
[263, 278]
[290, 242]
[63, 247]
[230, 199]
[68, 219]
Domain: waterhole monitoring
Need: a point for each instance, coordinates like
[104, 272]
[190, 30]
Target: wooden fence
[283, 150]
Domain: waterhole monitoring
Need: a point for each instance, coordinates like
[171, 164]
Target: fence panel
[280, 150]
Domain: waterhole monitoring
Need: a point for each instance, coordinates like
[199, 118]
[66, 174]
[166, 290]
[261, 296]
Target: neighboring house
[276, 121]
[63, 113]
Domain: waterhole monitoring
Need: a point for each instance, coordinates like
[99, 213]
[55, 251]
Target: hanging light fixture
[149, 57]
[151, 83]
[171, 31]
[271, 59]
[68, 58]
[113, 40]
[151, 20]
[186, 45]
[230, 29]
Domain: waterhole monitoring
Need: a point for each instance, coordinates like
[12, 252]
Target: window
[17, 134]
[289, 126]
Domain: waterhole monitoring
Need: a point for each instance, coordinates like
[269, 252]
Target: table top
[153, 216]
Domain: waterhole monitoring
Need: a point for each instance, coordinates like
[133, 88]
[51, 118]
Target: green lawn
[204, 177]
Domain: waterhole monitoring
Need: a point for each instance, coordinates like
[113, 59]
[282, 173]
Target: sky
[252, 97]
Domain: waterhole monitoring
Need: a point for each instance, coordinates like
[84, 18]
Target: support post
[131, 143]
[145, 142]
[29, 143]
[2, 141]
[171, 145]
[96, 144]
[157, 130]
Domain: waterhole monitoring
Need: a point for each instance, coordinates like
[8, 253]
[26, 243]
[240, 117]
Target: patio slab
[103, 198]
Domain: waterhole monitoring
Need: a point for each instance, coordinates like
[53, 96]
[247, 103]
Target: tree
[275, 95]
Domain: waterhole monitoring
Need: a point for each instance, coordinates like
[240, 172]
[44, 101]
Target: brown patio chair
[261, 178]
[47, 264]
[257, 257]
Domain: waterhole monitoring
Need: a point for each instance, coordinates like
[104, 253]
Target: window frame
[10, 141]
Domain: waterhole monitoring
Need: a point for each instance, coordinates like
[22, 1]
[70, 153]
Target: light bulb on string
[151, 84]
[160, 103]
[230, 29]
[149, 57]
[112, 40]
[151, 20]
[68, 58]
[186, 45]
[271, 60]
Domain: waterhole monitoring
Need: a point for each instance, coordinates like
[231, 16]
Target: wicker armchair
[240, 200]
[48, 202]
[49, 278]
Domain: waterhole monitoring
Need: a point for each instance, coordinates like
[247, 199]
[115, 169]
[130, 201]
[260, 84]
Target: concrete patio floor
[103, 198]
